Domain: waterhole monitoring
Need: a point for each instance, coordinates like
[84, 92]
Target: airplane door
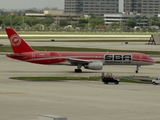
[140, 57]
[33, 55]
[59, 56]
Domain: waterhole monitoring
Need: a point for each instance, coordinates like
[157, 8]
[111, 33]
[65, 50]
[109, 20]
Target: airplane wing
[78, 61]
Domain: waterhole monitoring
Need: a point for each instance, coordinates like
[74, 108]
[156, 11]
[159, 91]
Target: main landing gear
[78, 70]
[137, 68]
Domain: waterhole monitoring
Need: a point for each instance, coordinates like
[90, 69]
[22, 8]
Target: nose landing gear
[137, 68]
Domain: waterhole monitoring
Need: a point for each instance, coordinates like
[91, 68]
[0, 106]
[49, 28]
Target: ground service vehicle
[110, 78]
[156, 81]
[106, 80]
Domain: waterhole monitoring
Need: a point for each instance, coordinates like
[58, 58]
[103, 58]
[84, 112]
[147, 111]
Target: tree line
[22, 22]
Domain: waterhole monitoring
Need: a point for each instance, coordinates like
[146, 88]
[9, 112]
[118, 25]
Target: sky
[26, 4]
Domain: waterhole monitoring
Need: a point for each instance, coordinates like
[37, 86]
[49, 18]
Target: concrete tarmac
[140, 46]
[76, 100]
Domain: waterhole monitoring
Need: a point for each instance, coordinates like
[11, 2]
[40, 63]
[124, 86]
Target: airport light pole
[11, 20]
[88, 21]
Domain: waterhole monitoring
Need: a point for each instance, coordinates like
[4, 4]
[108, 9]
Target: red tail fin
[17, 43]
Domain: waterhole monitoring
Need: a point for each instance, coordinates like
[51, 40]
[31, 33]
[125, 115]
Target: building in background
[119, 18]
[143, 7]
[110, 10]
[96, 7]
[56, 14]
[101, 7]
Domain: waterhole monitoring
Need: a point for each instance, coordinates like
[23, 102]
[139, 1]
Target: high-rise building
[97, 7]
[145, 7]
[101, 7]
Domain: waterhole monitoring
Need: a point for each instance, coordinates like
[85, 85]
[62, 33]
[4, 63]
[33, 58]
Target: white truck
[156, 81]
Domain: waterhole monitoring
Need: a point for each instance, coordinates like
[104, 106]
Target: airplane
[89, 60]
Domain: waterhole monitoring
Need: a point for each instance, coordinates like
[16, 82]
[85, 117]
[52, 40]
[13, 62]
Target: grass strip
[157, 62]
[40, 79]
[130, 80]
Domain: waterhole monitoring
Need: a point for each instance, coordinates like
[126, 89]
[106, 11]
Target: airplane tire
[77, 70]
[105, 82]
[116, 82]
[80, 70]
[153, 83]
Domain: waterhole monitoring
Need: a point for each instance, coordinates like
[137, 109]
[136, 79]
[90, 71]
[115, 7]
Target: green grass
[40, 79]
[53, 48]
[130, 81]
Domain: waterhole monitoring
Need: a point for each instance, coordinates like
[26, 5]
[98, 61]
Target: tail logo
[15, 40]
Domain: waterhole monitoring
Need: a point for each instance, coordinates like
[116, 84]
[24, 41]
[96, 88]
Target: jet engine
[94, 66]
